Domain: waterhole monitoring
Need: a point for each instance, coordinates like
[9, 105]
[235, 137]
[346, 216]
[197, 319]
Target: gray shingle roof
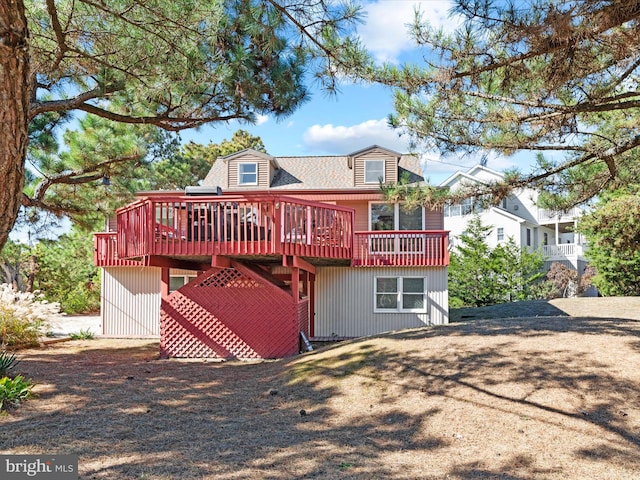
[314, 173]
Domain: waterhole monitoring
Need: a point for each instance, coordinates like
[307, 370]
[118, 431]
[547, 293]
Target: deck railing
[401, 247]
[564, 250]
[545, 215]
[105, 252]
[234, 225]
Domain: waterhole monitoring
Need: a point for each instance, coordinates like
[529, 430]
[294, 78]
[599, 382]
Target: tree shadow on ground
[380, 407]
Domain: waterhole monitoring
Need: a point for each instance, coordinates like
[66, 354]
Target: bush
[17, 332]
[23, 316]
[14, 390]
[8, 361]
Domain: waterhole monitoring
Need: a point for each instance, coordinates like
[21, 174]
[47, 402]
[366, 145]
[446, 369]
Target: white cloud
[338, 139]
[386, 32]
[260, 119]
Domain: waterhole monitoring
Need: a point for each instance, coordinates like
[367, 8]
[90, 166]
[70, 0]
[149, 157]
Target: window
[467, 207]
[400, 294]
[500, 234]
[410, 219]
[373, 171]
[178, 281]
[546, 239]
[528, 237]
[247, 174]
[394, 217]
[383, 216]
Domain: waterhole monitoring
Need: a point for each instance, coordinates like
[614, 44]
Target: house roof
[254, 153]
[471, 174]
[362, 151]
[507, 214]
[315, 172]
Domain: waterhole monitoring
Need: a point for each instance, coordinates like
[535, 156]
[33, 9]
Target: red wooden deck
[258, 226]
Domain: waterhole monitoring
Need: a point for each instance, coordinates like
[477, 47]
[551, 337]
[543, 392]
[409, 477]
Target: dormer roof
[331, 172]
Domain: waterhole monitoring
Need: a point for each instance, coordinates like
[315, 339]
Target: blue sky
[357, 116]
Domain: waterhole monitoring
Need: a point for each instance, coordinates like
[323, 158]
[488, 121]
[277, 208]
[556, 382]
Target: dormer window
[373, 171]
[248, 173]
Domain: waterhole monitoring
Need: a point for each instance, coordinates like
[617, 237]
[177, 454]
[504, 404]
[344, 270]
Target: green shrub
[8, 361]
[14, 390]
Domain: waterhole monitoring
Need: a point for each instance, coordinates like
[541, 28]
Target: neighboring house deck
[246, 264]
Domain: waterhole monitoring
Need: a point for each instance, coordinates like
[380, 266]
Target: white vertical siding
[345, 301]
[130, 305]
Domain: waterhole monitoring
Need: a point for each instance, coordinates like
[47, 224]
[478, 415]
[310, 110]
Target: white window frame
[366, 171]
[241, 173]
[500, 234]
[399, 295]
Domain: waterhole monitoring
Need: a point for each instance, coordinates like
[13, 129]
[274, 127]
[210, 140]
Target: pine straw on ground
[547, 398]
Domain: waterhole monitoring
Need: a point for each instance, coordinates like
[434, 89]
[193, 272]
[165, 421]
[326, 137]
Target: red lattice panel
[230, 313]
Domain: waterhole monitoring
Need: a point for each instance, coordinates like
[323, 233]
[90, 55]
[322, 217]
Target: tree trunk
[15, 94]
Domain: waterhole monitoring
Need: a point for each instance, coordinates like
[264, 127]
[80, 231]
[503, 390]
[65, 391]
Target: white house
[518, 217]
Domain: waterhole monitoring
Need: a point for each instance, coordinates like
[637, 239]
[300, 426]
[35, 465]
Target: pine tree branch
[73, 177]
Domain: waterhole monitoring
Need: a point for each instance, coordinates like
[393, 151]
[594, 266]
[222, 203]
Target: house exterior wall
[512, 228]
[130, 304]
[345, 301]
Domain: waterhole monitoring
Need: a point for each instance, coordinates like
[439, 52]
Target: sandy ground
[68, 324]
[522, 398]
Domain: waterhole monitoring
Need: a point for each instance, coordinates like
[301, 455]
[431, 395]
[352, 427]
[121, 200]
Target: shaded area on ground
[599, 307]
[552, 398]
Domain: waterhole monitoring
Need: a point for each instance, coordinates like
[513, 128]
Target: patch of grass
[85, 334]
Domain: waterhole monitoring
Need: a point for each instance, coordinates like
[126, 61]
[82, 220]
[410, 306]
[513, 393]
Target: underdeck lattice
[231, 312]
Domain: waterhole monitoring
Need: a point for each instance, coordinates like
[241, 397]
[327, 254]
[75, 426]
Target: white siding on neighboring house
[345, 301]
[130, 302]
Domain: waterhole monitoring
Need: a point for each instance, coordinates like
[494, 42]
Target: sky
[356, 117]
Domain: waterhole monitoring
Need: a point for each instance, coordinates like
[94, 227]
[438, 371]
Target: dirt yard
[524, 398]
